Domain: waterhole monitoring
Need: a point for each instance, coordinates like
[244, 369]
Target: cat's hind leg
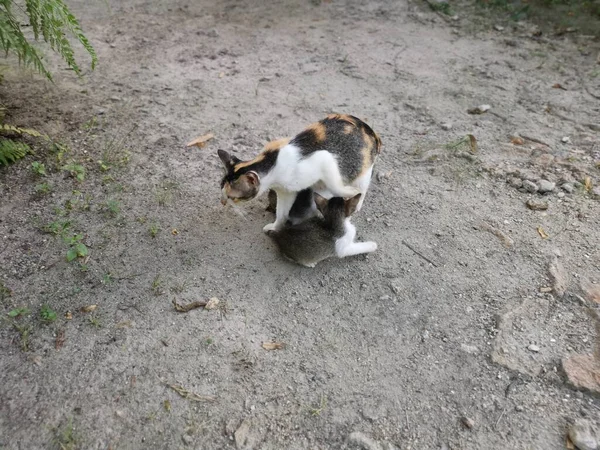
[334, 182]
[285, 200]
[362, 183]
[356, 248]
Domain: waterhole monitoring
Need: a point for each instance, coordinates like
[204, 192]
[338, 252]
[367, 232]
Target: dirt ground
[450, 336]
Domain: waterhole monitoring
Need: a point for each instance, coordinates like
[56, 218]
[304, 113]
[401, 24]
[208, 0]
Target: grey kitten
[319, 238]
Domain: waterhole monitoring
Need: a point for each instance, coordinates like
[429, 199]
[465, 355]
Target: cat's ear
[321, 202]
[350, 204]
[252, 178]
[225, 158]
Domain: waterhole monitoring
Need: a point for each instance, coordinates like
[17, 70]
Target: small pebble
[479, 109]
[546, 186]
[467, 422]
[446, 126]
[530, 186]
[498, 28]
[583, 435]
[565, 139]
[533, 348]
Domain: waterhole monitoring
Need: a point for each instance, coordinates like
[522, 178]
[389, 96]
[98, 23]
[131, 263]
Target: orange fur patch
[277, 144]
[344, 117]
[348, 129]
[242, 164]
[319, 130]
[367, 152]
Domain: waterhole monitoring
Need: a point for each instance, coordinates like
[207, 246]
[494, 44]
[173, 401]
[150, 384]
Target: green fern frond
[50, 20]
[13, 129]
[11, 150]
[13, 40]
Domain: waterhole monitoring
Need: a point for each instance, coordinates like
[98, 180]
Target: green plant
[11, 150]
[43, 189]
[4, 291]
[78, 249]
[47, 314]
[156, 286]
[24, 333]
[153, 230]
[317, 410]
[49, 19]
[17, 312]
[58, 227]
[65, 437]
[95, 322]
[107, 278]
[113, 207]
[38, 168]
[75, 170]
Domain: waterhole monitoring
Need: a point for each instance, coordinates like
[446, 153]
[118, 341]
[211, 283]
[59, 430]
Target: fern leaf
[11, 150]
[13, 40]
[28, 131]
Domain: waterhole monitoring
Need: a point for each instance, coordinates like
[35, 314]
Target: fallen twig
[191, 395]
[420, 254]
[506, 240]
[188, 307]
[537, 141]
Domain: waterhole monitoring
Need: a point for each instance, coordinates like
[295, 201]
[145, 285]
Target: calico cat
[319, 238]
[334, 157]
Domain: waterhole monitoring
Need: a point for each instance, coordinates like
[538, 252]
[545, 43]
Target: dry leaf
[222, 74]
[587, 183]
[90, 308]
[212, 303]
[60, 339]
[191, 395]
[68, 315]
[125, 324]
[174, 232]
[569, 444]
[273, 345]
[37, 360]
[545, 289]
[201, 141]
[472, 143]
[517, 140]
[167, 405]
[188, 307]
[559, 86]
[542, 233]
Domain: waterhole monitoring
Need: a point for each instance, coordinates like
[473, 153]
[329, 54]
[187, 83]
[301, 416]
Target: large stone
[545, 186]
[583, 372]
[583, 435]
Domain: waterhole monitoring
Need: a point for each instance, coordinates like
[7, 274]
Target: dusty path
[390, 345]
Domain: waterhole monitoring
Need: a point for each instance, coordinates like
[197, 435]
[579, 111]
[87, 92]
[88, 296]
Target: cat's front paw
[370, 246]
[270, 227]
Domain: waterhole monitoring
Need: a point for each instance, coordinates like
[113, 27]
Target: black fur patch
[263, 165]
[347, 146]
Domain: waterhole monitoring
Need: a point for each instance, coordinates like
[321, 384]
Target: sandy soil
[455, 317]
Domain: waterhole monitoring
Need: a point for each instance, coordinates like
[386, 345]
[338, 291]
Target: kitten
[334, 156]
[320, 238]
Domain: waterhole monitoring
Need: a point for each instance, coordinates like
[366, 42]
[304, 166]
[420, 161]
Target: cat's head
[336, 208]
[237, 184]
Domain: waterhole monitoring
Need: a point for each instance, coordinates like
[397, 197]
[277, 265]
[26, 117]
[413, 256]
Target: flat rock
[537, 206]
[583, 435]
[530, 186]
[546, 186]
[583, 372]
[559, 277]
